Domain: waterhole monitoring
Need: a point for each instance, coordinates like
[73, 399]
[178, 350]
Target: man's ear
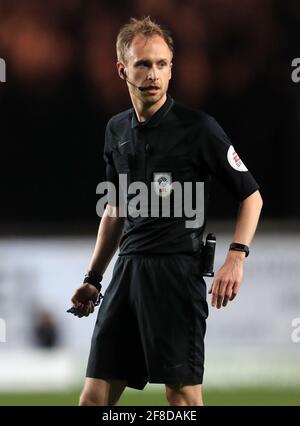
[121, 70]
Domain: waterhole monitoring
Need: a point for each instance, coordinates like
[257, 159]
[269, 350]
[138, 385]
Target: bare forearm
[247, 220]
[108, 238]
[228, 279]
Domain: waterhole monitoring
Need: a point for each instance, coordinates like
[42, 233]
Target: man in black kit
[152, 320]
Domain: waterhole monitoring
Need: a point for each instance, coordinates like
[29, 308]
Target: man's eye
[162, 64]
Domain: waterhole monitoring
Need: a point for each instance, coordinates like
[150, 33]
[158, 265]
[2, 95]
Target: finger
[219, 301]
[81, 311]
[225, 300]
[92, 307]
[228, 293]
[77, 298]
[220, 297]
[86, 309]
[215, 281]
[74, 300]
[214, 293]
[235, 290]
[221, 293]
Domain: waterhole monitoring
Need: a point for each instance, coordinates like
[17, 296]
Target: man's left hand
[228, 279]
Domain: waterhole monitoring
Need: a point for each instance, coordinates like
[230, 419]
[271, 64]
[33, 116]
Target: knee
[89, 399]
[181, 397]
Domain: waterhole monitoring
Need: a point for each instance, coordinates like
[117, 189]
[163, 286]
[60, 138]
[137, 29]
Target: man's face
[149, 65]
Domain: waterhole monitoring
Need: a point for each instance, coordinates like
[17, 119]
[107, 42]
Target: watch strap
[94, 278]
[240, 247]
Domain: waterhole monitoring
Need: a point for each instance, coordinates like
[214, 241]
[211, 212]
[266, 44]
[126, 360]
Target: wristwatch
[94, 278]
[240, 247]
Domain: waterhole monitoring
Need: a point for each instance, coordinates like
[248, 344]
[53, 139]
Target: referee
[152, 321]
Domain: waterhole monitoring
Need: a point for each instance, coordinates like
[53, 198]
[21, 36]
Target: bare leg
[184, 395]
[101, 392]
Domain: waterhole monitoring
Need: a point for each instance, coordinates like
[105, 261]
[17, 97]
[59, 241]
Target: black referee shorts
[151, 322]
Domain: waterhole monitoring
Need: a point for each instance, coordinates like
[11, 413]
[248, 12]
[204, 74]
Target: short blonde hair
[144, 26]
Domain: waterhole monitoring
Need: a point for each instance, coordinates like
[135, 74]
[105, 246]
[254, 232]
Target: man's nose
[152, 75]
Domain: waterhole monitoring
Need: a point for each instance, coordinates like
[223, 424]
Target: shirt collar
[156, 118]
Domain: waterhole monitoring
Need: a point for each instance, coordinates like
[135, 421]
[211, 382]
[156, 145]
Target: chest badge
[162, 183]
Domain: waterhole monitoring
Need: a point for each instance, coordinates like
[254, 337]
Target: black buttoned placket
[139, 135]
[143, 135]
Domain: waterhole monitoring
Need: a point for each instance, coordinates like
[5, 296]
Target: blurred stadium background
[233, 59]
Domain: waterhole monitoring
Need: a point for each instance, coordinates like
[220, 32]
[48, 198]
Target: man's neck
[145, 112]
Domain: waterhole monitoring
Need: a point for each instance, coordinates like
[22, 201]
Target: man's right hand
[85, 298]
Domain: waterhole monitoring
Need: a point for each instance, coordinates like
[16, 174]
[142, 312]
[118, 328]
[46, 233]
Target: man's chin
[152, 98]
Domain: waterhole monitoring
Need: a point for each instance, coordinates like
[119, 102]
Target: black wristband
[240, 247]
[94, 278]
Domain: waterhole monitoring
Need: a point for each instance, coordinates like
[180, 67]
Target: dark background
[232, 59]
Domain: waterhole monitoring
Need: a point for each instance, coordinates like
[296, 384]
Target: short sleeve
[222, 161]
[110, 170]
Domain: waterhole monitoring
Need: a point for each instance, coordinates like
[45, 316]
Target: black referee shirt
[178, 144]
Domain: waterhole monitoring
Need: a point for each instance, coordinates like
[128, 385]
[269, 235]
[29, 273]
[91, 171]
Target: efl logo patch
[235, 161]
[162, 183]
